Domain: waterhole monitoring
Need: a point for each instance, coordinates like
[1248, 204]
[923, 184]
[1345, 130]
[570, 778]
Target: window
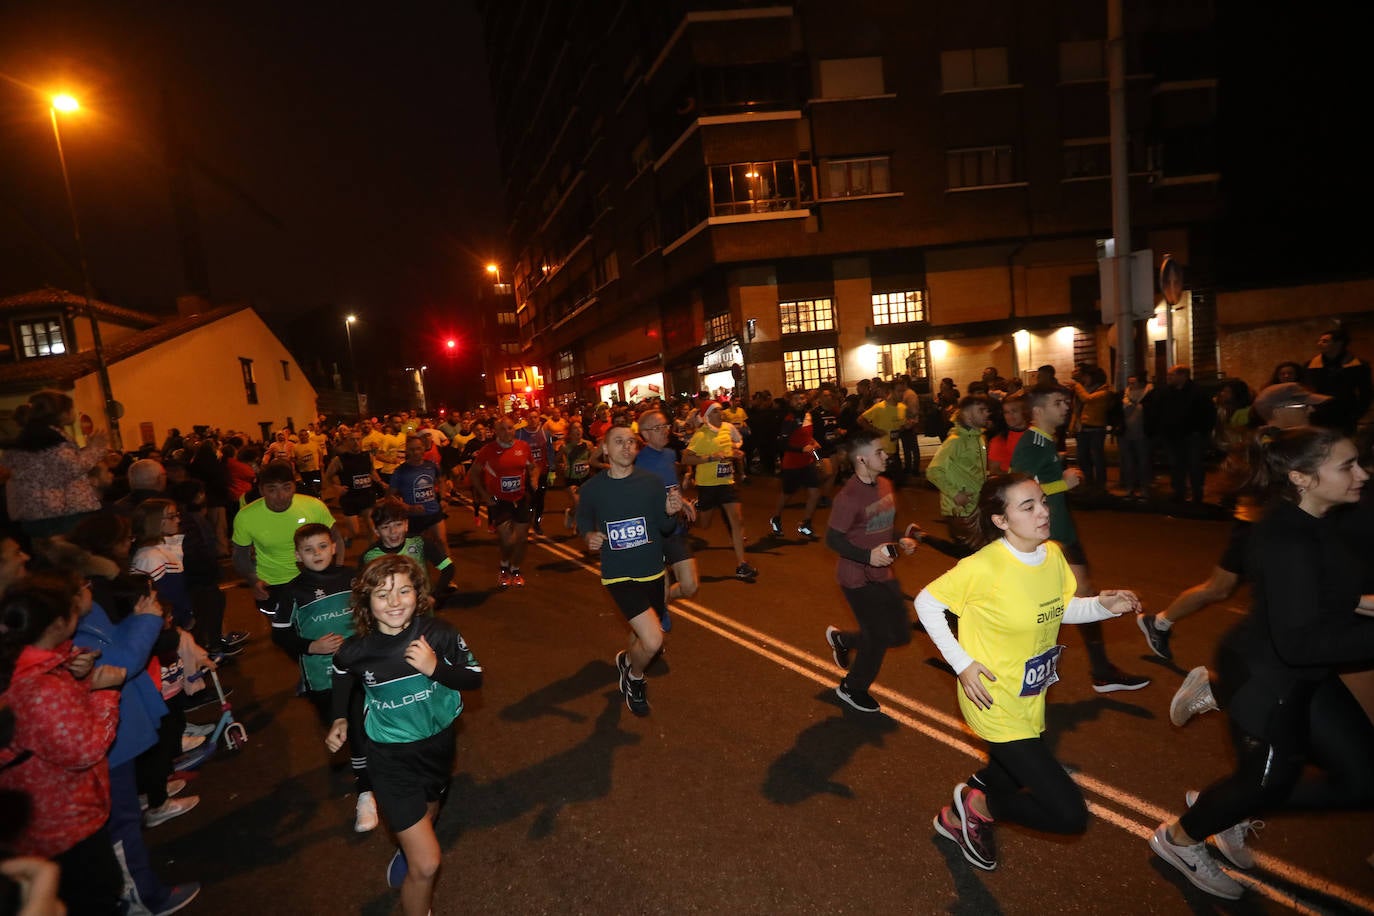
[899, 308]
[894, 359]
[807, 315]
[851, 77]
[973, 68]
[564, 367]
[743, 87]
[646, 237]
[505, 319]
[850, 177]
[607, 269]
[981, 167]
[758, 187]
[808, 368]
[718, 327]
[1082, 60]
[250, 384]
[42, 337]
[1087, 159]
[286, 370]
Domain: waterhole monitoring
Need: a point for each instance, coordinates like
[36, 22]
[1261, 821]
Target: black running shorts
[634, 598]
[503, 510]
[709, 498]
[794, 479]
[407, 777]
[676, 549]
[1233, 557]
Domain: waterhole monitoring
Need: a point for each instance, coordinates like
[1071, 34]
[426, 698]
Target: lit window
[980, 167]
[42, 338]
[894, 359]
[718, 327]
[564, 367]
[808, 368]
[899, 308]
[973, 68]
[850, 177]
[758, 187]
[806, 315]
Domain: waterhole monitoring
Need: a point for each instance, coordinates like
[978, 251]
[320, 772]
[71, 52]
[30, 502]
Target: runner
[624, 516]
[657, 457]
[265, 531]
[861, 532]
[500, 481]
[888, 418]
[577, 467]
[1037, 457]
[800, 453]
[1010, 597]
[393, 537]
[352, 470]
[532, 434]
[712, 453]
[419, 484]
[958, 470]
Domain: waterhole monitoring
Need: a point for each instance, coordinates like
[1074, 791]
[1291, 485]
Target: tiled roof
[50, 296]
[63, 371]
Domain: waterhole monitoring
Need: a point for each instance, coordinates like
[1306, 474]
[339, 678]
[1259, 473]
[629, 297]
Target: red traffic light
[451, 344]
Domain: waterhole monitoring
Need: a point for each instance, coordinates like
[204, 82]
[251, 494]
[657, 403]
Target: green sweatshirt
[960, 466]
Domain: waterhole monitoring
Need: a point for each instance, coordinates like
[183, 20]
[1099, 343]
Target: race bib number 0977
[627, 533]
[1041, 672]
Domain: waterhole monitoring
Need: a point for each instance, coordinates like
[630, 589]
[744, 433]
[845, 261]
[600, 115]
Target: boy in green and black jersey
[392, 520]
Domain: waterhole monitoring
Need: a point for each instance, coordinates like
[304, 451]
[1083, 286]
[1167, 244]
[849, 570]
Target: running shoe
[1193, 697]
[805, 529]
[977, 829]
[516, 579]
[1231, 841]
[858, 699]
[172, 807]
[622, 665]
[204, 731]
[636, 695]
[397, 869]
[1116, 679]
[178, 898]
[775, 525]
[837, 649]
[945, 826]
[190, 742]
[1157, 639]
[1195, 864]
[537, 528]
[503, 580]
[745, 571]
[365, 813]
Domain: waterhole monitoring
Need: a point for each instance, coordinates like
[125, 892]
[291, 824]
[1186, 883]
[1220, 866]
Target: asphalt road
[749, 789]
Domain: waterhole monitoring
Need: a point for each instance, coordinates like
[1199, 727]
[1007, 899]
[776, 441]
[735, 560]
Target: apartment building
[796, 193]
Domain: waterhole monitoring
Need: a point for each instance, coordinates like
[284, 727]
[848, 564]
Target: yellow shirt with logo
[718, 450]
[391, 453]
[888, 420]
[1009, 615]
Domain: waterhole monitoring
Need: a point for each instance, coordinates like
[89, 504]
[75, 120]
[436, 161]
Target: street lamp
[495, 270]
[353, 366]
[67, 104]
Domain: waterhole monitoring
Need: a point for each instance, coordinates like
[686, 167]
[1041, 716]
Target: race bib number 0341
[1041, 672]
[627, 533]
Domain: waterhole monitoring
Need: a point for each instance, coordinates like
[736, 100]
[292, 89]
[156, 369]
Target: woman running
[1010, 598]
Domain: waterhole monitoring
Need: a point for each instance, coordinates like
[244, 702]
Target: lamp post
[353, 366]
[66, 103]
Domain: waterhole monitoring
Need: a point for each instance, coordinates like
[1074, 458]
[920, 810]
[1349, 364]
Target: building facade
[710, 195]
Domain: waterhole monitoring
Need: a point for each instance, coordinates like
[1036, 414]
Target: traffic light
[451, 344]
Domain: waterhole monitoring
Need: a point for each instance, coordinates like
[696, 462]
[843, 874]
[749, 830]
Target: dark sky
[339, 154]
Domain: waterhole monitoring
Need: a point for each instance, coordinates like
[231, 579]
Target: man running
[712, 453]
[265, 532]
[419, 484]
[500, 481]
[800, 453]
[657, 458]
[352, 470]
[624, 515]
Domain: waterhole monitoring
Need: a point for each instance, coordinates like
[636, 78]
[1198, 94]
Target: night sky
[339, 156]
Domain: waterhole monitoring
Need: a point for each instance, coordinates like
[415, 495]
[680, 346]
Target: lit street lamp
[67, 104]
[353, 366]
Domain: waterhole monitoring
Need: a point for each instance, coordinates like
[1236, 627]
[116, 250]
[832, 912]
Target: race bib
[362, 481]
[631, 532]
[424, 494]
[580, 468]
[725, 470]
[512, 484]
[1041, 672]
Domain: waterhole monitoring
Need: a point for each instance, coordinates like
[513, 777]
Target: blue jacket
[128, 645]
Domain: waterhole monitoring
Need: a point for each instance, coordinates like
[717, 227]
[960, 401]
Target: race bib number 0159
[627, 533]
[1041, 672]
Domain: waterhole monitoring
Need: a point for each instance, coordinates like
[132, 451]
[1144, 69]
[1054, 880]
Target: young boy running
[311, 617]
[392, 519]
[625, 517]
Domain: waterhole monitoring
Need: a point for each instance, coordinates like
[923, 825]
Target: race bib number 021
[627, 533]
[1041, 672]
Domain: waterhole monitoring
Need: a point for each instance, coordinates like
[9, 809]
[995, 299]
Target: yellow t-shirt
[888, 420]
[1009, 615]
[391, 452]
[714, 444]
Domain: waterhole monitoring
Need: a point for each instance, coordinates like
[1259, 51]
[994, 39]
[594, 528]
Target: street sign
[1171, 280]
[1142, 285]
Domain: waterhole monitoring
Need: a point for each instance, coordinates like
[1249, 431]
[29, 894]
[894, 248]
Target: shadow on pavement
[1062, 718]
[547, 700]
[973, 898]
[809, 766]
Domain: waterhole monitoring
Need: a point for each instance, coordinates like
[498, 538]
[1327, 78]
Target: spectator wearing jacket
[48, 490]
[1184, 421]
[1341, 376]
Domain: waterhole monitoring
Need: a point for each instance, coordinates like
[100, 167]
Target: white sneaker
[173, 807]
[1231, 841]
[174, 787]
[365, 816]
[1192, 698]
[191, 742]
[1195, 864]
[204, 731]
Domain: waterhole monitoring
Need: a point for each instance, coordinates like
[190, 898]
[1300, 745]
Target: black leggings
[1025, 785]
[322, 700]
[153, 767]
[1333, 732]
[883, 624]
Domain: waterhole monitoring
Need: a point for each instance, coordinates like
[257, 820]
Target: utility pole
[1121, 191]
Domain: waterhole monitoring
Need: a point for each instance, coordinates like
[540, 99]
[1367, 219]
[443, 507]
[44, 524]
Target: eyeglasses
[654, 429]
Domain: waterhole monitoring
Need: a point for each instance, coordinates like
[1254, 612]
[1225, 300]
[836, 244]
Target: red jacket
[68, 730]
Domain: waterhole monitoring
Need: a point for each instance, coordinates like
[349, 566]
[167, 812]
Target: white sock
[1163, 623]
